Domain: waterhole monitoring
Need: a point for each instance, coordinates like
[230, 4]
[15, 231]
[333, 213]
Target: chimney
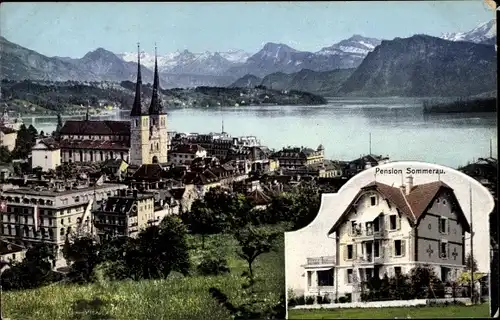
[409, 184]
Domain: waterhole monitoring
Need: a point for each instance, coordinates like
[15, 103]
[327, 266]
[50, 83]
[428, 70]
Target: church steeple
[156, 106]
[87, 111]
[137, 106]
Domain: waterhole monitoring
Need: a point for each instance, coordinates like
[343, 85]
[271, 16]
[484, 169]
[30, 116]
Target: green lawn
[453, 311]
[173, 298]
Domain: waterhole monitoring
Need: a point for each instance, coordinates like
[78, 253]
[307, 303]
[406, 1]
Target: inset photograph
[401, 234]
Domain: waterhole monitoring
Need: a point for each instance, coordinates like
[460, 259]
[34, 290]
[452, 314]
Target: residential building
[324, 169]
[485, 171]
[295, 158]
[129, 212]
[258, 198]
[8, 122]
[369, 228]
[364, 162]
[390, 230]
[115, 167]
[8, 137]
[184, 154]
[11, 252]
[217, 144]
[34, 214]
[46, 154]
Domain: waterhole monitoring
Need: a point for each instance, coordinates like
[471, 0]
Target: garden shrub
[213, 266]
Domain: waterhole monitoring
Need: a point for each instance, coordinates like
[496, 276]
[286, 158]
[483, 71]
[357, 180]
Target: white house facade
[46, 154]
[376, 224]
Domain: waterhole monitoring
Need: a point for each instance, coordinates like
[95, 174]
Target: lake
[397, 125]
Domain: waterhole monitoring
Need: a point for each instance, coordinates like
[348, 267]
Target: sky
[73, 29]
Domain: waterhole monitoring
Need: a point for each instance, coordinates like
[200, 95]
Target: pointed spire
[87, 111]
[222, 126]
[156, 107]
[137, 107]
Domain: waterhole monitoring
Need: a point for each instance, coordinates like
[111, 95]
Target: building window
[309, 278]
[77, 199]
[443, 249]
[443, 225]
[61, 232]
[349, 275]
[373, 201]
[325, 277]
[399, 248]
[393, 221]
[376, 249]
[397, 271]
[355, 228]
[350, 252]
[376, 225]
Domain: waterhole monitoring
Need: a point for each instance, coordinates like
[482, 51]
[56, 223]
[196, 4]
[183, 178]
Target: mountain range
[484, 33]
[187, 69]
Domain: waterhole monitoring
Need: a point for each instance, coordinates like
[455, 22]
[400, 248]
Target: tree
[59, 126]
[300, 206]
[26, 138]
[34, 271]
[471, 264]
[201, 220]
[33, 133]
[5, 155]
[253, 242]
[424, 281]
[82, 256]
[158, 250]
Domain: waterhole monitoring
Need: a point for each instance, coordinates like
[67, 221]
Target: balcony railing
[321, 260]
[366, 232]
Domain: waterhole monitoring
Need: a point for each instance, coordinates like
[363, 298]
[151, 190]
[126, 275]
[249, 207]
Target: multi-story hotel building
[37, 214]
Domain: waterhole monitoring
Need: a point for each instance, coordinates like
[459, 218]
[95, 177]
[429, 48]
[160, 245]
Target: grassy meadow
[450, 311]
[176, 297]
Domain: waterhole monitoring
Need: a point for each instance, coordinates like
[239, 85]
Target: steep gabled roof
[413, 206]
[102, 127]
[258, 197]
[152, 171]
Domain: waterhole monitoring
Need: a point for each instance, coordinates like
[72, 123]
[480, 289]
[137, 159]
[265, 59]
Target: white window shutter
[398, 222]
[344, 248]
[403, 247]
[354, 251]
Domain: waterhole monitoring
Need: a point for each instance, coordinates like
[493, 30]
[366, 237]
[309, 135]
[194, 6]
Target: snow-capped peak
[357, 45]
[184, 61]
[484, 32]
[235, 55]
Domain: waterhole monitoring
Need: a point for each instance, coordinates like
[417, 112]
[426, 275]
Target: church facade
[141, 140]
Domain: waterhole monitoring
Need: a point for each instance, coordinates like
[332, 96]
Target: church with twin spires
[148, 126]
[141, 140]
